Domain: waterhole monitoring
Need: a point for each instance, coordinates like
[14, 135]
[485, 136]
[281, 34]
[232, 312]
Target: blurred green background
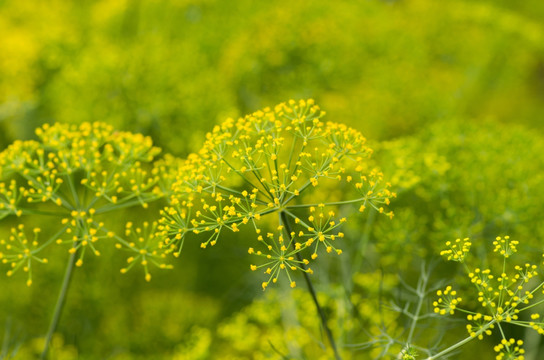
[450, 95]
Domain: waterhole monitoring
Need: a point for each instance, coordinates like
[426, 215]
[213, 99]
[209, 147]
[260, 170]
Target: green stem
[51, 239]
[460, 343]
[59, 305]
[73, 191]
[247, 180]
[328, 204]
[421, 295]
[127, 202]
[319, 309]
[40, 212]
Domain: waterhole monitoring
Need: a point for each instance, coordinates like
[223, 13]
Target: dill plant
[451, 183]
[506, 294]
[74, 177]
[493, 300]
[271, 171]
[434, 189]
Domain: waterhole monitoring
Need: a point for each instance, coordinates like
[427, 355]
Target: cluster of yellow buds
[502, 296]
[285, 162]
[76, 174]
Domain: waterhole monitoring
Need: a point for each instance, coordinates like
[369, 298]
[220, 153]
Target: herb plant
[75, 176]
[265, 171]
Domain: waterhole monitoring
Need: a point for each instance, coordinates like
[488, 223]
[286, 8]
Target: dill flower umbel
[274, 171]
[74, 176]
[506, 295]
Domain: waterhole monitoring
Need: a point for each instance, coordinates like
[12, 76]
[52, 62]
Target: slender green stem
[421, 290]
[247, 180]
[73, 191]
[128, 202]
[329, 203]
[319, 309]
[238, 193]
[51, 239]
[460, 343]
[301, 189]
[60, 304]
[532, 305]
[40, 212]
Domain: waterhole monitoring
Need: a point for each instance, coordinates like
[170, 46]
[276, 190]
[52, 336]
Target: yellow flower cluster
[510, 349]
[502, 296]
[275, 161]
[20, 251]
[145, 247]
[457, 251]
[505, 247]
[480, 325]
[447, 301]
[74, 173]
[9, 198]
[82, 232]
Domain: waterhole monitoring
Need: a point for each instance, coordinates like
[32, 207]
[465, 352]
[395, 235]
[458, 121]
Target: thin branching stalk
[421, 292]
[311, 289]
[60, 304]
[461, 343]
